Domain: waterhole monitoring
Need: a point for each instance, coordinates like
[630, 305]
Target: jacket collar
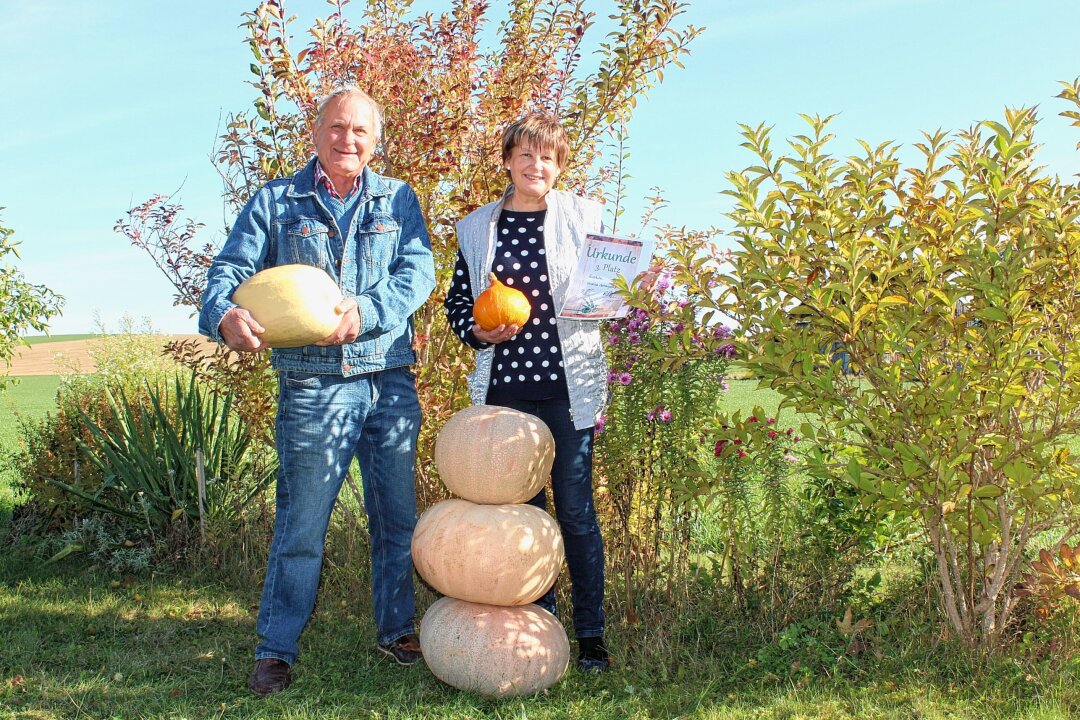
[303, 184]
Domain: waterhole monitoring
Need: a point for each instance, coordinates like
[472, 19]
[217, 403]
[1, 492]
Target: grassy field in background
[29, 400]
[42, 339]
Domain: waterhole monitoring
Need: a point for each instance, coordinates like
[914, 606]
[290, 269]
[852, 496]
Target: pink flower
[724, 385]
[770, 421]
[742, 454]
[665, 415]
[601, 423]
[772, 434]
[791, 458]
[625, 378]
[789, 431]
[651, 415]
[737, 441]
[752, 418]
[612, 376]
[719, 447]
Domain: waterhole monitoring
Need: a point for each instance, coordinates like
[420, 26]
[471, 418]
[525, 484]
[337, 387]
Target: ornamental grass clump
[926, 318]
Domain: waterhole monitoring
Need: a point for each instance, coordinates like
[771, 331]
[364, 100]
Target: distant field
[29, 400]
[42, 339]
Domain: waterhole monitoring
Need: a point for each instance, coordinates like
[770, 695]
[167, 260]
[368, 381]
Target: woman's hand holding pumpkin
[498, 334]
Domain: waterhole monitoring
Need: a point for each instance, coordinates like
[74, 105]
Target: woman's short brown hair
[538, 130]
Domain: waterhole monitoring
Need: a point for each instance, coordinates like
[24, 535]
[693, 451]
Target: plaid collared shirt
[324, 179]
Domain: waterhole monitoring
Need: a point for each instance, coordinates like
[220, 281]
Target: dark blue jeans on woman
[571, 486]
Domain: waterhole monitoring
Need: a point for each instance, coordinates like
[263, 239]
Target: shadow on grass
[75, 642]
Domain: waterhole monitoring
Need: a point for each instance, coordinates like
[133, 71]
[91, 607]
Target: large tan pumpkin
[295, 303]
[497, 554]
[494, 455]
[491, 650]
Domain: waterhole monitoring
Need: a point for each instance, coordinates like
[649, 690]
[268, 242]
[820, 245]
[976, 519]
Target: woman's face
[533, 171]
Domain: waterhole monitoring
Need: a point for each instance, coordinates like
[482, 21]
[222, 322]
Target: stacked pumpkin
[491, 556]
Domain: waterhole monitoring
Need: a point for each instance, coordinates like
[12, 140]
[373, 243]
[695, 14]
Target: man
[349, 395]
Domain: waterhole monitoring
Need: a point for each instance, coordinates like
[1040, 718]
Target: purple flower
[612, 376]
[665, 415]
[601, 423]
[651, 415]
[662, 283]
[721, 332]
[791, 458]
[724, 385]
[625, 378]
[727, 351]
[613, 340]
[634, 338]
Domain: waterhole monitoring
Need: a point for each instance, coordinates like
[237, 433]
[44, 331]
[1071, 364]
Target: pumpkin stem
[492, 279]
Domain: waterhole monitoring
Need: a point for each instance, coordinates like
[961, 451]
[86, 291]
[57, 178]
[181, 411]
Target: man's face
[345, 139]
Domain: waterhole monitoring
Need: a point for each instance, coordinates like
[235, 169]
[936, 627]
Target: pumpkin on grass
[294, 303]
[491, 650]
[501, 305]
[497, 554]
[494, 455]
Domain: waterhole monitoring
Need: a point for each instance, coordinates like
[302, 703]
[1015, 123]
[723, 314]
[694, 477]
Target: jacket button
[379, 228]
[330, 232]
[346, 368]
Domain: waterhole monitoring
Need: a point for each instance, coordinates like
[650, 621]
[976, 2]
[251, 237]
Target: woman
[551, 368]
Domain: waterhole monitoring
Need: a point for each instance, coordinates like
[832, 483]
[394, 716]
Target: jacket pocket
[378, 239]
[305, 241]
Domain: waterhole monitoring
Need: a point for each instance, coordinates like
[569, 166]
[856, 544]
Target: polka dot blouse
[528, 366]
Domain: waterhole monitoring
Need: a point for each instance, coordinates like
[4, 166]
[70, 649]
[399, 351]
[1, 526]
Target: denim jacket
[386, 265]
[569, 218]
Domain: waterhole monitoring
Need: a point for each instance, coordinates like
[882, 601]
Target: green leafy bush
[149, 457]
[130, 360]
[23, 306]
[926, 318]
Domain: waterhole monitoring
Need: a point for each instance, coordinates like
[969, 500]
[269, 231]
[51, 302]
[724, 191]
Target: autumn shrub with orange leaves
[447, 94]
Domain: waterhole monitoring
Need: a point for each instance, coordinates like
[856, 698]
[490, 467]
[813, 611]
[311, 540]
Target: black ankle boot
[592, 655]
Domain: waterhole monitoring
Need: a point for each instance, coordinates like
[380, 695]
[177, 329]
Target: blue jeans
[324, 421]
[571, 487]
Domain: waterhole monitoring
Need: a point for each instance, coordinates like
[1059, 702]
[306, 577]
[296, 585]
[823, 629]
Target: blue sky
[108, 103]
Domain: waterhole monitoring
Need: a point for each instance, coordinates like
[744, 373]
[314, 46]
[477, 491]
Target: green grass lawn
[76, 643]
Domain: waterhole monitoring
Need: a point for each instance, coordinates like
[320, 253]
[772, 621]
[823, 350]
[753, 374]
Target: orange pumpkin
[500, 305]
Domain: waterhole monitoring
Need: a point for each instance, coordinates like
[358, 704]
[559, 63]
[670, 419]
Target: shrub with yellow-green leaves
[927, 318]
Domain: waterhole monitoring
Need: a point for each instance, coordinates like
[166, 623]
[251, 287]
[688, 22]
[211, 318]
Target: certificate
[591, 294]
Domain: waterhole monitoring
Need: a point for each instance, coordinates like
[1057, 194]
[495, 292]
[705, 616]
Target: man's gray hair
[352, 90]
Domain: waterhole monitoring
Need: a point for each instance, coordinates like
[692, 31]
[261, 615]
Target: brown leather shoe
[405, 650]
[269, 676]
